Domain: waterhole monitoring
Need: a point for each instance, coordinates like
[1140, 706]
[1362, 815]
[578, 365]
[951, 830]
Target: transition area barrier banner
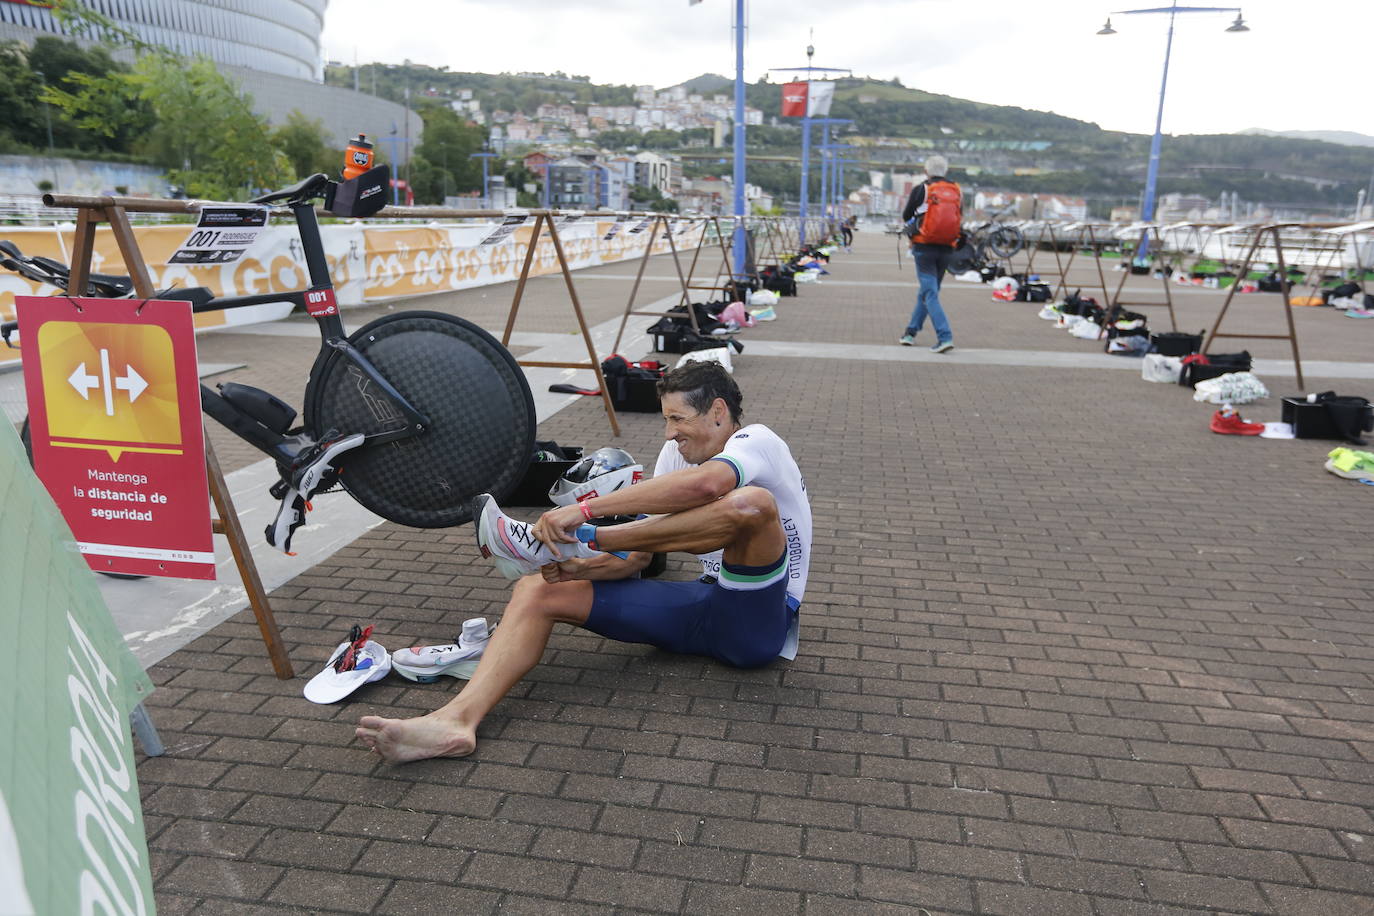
[71, 824]
[368, 261]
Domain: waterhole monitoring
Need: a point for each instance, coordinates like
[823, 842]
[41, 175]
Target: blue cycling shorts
[744, 628]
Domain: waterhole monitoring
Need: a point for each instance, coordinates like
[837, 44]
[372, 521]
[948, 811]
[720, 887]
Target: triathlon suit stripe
[739, 475]
[752, 578]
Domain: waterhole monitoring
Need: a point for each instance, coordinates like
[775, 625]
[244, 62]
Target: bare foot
[404, 740]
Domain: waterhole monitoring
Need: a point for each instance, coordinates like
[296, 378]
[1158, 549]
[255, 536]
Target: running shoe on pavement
[943, 346]
[1229, 423]
[426, 664]
[511, 545]
[1351, 463]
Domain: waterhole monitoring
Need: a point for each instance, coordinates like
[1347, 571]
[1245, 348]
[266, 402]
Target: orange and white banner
[366, 262]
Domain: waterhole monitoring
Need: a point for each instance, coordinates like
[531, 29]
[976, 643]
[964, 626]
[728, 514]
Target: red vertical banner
[114, 422]
[794, 100]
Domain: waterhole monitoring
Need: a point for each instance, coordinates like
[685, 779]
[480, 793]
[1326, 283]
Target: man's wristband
[587, 509]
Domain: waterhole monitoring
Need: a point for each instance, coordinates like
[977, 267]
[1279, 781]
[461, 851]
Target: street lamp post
[485, 156]
[807, 121]
[824, 148]
[1152, 171]
[739, 249]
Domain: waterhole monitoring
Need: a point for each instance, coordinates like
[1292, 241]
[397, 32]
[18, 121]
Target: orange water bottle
[357, 157]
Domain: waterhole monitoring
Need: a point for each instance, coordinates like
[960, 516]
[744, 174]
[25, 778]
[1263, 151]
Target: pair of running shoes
[359, 659]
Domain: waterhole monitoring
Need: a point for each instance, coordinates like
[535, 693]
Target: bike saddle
[304, 189]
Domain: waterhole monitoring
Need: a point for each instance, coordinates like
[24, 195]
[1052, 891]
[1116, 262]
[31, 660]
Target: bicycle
[995, 238]
[413, 414]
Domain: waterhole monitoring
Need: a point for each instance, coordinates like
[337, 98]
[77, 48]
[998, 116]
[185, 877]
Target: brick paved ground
[1064, 652]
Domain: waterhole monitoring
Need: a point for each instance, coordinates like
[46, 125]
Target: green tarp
[71, 826]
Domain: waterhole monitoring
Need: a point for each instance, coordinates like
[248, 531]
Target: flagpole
[804, 209]
[806, 176]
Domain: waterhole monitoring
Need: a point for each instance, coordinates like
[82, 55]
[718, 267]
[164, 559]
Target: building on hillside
[1174, 207]
[703, 198]
[1025, 205]
[619, 174]
[499, 195]
[521, 129]
[572, 185]
[655, 171]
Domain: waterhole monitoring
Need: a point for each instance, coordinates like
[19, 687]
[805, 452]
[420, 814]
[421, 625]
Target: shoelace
[347, 659]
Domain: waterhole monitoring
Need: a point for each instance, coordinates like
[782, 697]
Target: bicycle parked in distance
[982, 245]
[996, 238]
[413, 414]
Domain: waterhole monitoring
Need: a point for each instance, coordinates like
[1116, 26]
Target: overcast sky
[1301, 67]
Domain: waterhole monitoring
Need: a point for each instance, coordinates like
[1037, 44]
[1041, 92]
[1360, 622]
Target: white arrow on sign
[82, 382]
[132, 383]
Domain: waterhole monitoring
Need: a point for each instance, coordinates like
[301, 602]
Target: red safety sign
[114, 419]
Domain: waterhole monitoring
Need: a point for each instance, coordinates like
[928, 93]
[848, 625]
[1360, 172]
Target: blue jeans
[931, 261]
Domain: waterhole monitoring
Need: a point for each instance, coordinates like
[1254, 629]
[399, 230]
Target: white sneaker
[426, 664]
[511, 545]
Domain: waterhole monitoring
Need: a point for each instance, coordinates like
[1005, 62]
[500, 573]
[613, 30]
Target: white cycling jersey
[761, 459]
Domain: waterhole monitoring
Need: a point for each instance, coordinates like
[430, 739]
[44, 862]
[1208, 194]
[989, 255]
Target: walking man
[936, 206]
[730, 493]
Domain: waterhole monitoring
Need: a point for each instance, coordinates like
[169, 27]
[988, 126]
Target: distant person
[847, 231]
[934, 213]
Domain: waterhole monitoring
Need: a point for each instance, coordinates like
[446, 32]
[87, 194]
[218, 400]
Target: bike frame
[333, 344]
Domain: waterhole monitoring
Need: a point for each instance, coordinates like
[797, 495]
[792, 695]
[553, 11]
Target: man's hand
[556, 526]
[567, 571]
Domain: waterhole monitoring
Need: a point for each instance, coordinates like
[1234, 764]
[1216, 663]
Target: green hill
[895, 126]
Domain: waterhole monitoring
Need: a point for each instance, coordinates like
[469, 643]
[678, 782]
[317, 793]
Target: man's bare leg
[743, 522]
[516, 646]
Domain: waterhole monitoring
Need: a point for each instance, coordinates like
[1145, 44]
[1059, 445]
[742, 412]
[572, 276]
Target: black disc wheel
[1005, 241]
[481, 418]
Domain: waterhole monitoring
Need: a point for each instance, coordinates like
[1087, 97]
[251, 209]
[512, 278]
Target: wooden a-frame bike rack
[545, 218]
[1093, 245]
[1117, 303]
[659, 219]
[1292, 335]
[90, 213]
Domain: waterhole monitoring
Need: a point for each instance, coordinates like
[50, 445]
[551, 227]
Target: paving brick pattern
[1064, 651]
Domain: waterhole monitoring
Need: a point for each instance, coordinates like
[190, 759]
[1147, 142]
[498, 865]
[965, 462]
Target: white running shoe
[426, 664]
[511, 545]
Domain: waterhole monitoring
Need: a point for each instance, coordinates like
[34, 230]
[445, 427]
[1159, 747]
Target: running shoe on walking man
[732, 494]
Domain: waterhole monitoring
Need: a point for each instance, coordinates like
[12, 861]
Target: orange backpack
[943, 220]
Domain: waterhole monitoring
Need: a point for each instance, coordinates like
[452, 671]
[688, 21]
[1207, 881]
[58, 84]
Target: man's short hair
[937, 166]
[700, 382]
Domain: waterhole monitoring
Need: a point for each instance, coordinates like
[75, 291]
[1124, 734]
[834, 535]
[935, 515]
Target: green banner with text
[71, 826]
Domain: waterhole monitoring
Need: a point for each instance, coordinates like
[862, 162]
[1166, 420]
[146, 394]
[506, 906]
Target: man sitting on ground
[729, 493]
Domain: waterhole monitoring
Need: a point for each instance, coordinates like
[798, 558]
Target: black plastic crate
[533, 489]
[1309, 420]
[635, 395]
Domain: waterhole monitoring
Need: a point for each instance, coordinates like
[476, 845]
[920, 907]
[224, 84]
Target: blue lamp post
[1152, 172]
[825, 148]
[737, 254]
[486, 155]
